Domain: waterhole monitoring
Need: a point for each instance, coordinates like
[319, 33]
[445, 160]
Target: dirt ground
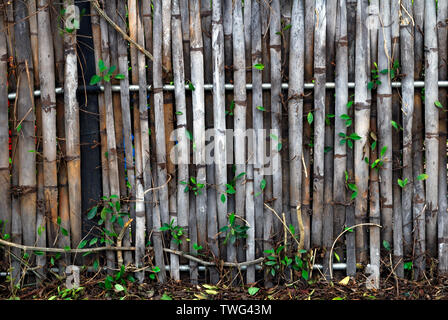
[92, 288]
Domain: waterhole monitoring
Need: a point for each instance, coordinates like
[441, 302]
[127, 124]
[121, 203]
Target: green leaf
[350, 103]
[345, 117]
[189, 135]
[253, 290]
[273, 136]
[407, 265]
[310, 117]
[263, 184]
[38, 253]
[82, 244]
[383, 151]
[119, 287]
[165, 296]
[111, 70]
[191, 86]
[259, 66]
[179, 113]
[305, 274]
[355, 136]
[370, 85]
[101, 66]
[422, 176]
[120, 76]
[261, 108]
[95, 79]
[106, 78]
[384, 71]
[354, 195]
[96, 265]
[373, 145]
[337, 257]
[386, 245]
[438, 104]
[93, 241]
[64, 232]
[402, 183]
[223, 198]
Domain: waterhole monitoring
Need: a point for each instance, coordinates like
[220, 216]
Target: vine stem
[340, 235]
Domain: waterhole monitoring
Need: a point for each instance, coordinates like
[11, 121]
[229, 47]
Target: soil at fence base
[391, 289]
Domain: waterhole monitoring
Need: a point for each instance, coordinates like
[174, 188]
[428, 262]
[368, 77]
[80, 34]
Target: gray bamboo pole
[362, 127]
[127, 126]
[182, 154]
[431, 126]
[26, 122]
[240, 99]
[162, 193]
[340, 152]
[194, 270]
[442, 221]
[48, 101]
[418, 201]
[257, 116]
[384, 105]
[219, 118]
[396, 148]
[307, 130]
[319, 121]
[295, 106]
[197, 79]
[5, 175]
[407, 93]
[328, 213]
[140, 224]
[73, 157]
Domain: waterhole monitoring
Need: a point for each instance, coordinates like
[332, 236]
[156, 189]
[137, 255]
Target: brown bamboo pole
[197, 79]
[257, 118]
[362, 127]
[63, 199]
[442, 221]
[431, 126]
[340, 151]
[396, 148]
[307, 130]
[26, 119]
[227, 9]
[5, 175]
[162, 198]
[194, 271]
[419, 197]
[407, 93]
[319, 122]
[295, 106]
[384, 101]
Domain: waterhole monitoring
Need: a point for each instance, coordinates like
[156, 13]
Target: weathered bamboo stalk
[197, 79]
[48, 101]
[418, 201]
[362, 127]
[295, 105]
[5, 197]
[407, 93]
[182, 150]
[384, 105]
[240, 100]
[431, 126]
[162, 193]
[442, 220]
[26, 124]
[257, 116]
[328, 212]
[319, 121]
[340, 152]
[307, 130]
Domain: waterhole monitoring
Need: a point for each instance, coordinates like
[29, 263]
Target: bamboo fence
[346, 100]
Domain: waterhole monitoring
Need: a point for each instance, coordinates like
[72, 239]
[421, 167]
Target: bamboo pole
[340, 152]
[5, 184]
[162, 198]
[295, 105]
[127, 126]
[442, 221]
[257, 118]
[418, 201]
[63, 205]
[182, 154]
[431, 126]
[319, 122]
[197, 79]
[407, 93]
[48, 100]
[26, 123]
[384, 102]
[362, 127]
[396, 148]
[72, 134]
[307, 130]
[240, 100]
